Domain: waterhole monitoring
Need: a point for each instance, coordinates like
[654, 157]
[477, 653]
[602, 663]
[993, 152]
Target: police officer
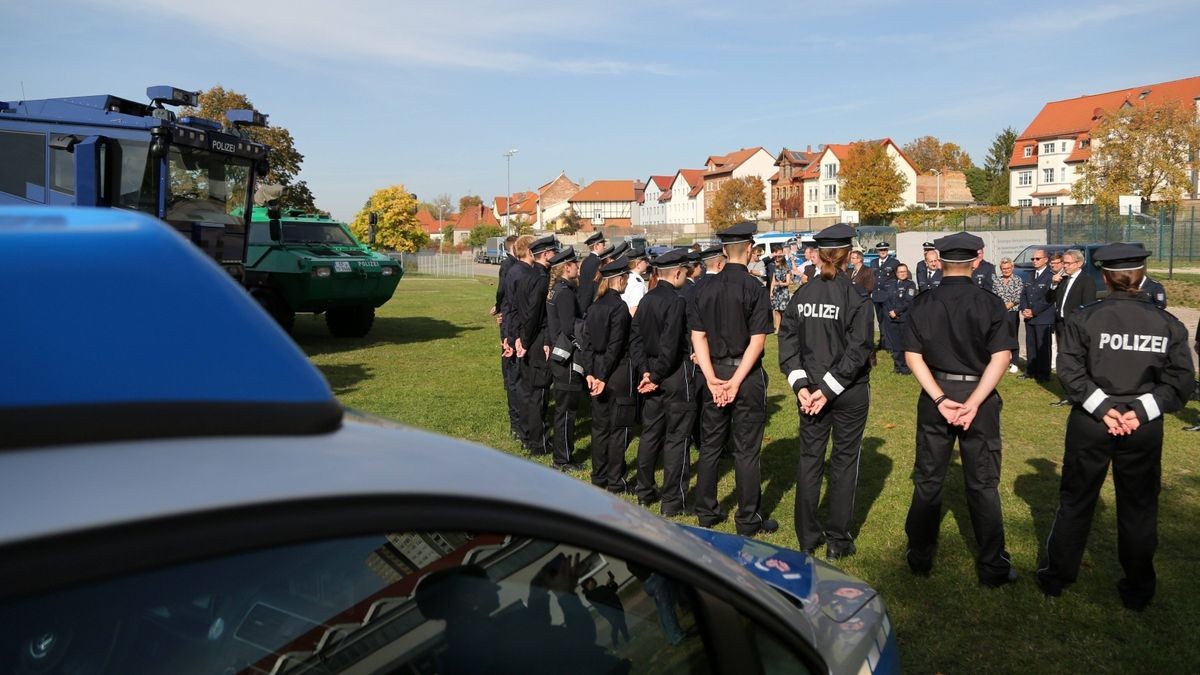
[825, 344]
[1158, 294]
[660, 346]
[508, 364]
[712, 260]
[1037, 308]
[1124, 364]
[958, 346]
[730, 324]
[562, 312]
[589, 270]
[984, 273]
[885, 275]
[923, 265]
[929, 275]
[609, 377]
[510, 321]
[904, 291]
[531, 346]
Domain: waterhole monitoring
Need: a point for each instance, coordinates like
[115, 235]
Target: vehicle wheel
[276, 306]
[350, 321]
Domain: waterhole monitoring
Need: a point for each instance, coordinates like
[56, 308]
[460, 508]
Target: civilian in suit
[1072, 288]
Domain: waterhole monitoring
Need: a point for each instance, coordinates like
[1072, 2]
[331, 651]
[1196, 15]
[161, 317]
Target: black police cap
[743, 231]
[882, 246]
[839, 235]
[958, 247]
[566, 255]
[619, 250]
[1117, 257]
[544, 244]
[693, 257]
[676, 257]
[712, 252]
[636, 254]
[615, 268]
[596, 238]
[928, 246]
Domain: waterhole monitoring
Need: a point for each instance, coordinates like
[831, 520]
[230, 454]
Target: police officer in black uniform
[1124, 363]
[895, 314]
[562, 312]
[1158, 294]
[984, 274]
[589, 271]
[519, 264]
[508, 366]
[730, 321]
[885, 275]
[958, 345]
[930, 275]
[660, 346]
[922, 266]
[1037, 308]
[826, 337]
[609, 377]
[712, 261]
[531, 346]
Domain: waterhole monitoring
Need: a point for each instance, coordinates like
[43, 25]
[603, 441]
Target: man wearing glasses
[1072, 288]
[1037, 308]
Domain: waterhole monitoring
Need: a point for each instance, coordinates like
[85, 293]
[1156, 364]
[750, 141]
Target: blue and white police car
[183, 494]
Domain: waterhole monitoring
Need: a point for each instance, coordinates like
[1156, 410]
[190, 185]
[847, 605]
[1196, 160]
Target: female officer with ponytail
[610, 377]
[826, 339]
[562, 310]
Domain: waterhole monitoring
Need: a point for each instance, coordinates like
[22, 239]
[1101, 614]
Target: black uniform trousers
[1137, 472]
[980, 448]
[534, 390]
[1037, 350]
[845, 417]
[893, 332]
[667, 418]
[568, 382]
[613, 414]
[1014, 324]
[510, 368]
[744, 420]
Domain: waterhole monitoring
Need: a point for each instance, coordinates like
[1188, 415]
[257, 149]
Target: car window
[410, 602]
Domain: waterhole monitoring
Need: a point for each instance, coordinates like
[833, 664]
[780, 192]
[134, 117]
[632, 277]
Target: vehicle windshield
[329, 234]
[206, 186]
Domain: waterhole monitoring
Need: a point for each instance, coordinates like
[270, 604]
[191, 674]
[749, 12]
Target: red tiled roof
[476, 215]
[428, 222]
[1075, 117]
[722, 164]
[663, 182]
[606, 191]
[665, 196]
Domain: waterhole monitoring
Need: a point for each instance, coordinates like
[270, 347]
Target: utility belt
[734, 361]
[953, 377]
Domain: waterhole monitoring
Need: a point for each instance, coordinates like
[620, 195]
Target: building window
[1064, 146]
[1048, 201]
[1062, 175]
[1029, 151]
[1025, 178]
[830, 191]
[1024, 202]
[1047, 148]
[831, 170]
[1047, 175]
[830, 208]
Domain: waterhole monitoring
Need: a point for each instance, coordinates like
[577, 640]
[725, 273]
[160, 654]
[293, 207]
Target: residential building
[739, 164]
[431, 225]
[471, 218]
[685, 200]
[518, 206]
[1049, 156]
[554, 200]
[821, 178]
[787, 185]
[948, 190]
[654, 200]
[606, 203]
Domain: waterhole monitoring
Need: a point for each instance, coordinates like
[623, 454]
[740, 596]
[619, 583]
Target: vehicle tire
[276, 306]
[350, 321]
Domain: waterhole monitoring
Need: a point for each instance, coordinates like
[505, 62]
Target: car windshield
[206, 186]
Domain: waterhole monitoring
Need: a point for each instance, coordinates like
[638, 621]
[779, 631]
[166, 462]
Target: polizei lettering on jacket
[1134, 343]
[813, 310]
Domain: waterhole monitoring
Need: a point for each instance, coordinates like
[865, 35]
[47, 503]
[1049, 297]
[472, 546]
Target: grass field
[1183, 289]
[432, 362]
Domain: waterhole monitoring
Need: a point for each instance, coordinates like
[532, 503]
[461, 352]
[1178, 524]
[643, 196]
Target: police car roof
[134, 333]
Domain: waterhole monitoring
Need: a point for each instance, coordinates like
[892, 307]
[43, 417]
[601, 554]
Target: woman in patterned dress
[781, 280]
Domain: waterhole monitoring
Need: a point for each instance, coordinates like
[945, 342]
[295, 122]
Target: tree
[736, 199]
[1147, 150]
[467, 201]
[440, 206]
[995, 168]
[520, 225]
[571, 222]
[929, 153]
[283, 159]
[980, 184]
[481, 233]
[447, 236]
[397, 228]
[869, 181]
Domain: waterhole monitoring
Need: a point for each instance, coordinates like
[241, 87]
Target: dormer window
[1029, 151]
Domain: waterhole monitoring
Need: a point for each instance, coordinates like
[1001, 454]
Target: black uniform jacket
[531, 308]
[587, 282]
[505, 266]
[885, 276]
[984, 276]
[514, 277]
[1158, 294]
[606, 343]
[660, 341]
[957, 327]
[827, 336]
[561, 313]
[1036, 296]
[1124, 351]
[1083, 292]
[928, 283]
[900, 300]
[864, 281]
[729, 309]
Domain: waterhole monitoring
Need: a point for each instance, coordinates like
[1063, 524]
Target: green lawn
[432, 362]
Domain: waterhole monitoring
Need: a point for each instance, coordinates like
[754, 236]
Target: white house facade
[822, 187]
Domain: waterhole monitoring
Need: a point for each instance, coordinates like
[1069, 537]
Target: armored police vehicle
[307, 262]
[104, 150]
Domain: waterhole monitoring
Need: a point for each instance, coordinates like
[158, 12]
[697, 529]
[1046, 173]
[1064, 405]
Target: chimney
[809, 150]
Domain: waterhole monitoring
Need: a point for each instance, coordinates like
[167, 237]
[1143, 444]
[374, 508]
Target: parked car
[1023, 263]
[184, 494]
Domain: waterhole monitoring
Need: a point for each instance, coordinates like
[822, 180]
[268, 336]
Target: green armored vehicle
[311, 263]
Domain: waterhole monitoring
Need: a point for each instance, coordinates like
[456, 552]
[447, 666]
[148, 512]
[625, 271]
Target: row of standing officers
[692, 353]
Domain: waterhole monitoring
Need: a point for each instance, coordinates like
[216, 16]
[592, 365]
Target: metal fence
[446, 265]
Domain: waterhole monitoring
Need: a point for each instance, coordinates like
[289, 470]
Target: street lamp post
[939, 187]
[508, 186]
[442, 226]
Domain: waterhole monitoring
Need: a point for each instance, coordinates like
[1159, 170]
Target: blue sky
[431, 94]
